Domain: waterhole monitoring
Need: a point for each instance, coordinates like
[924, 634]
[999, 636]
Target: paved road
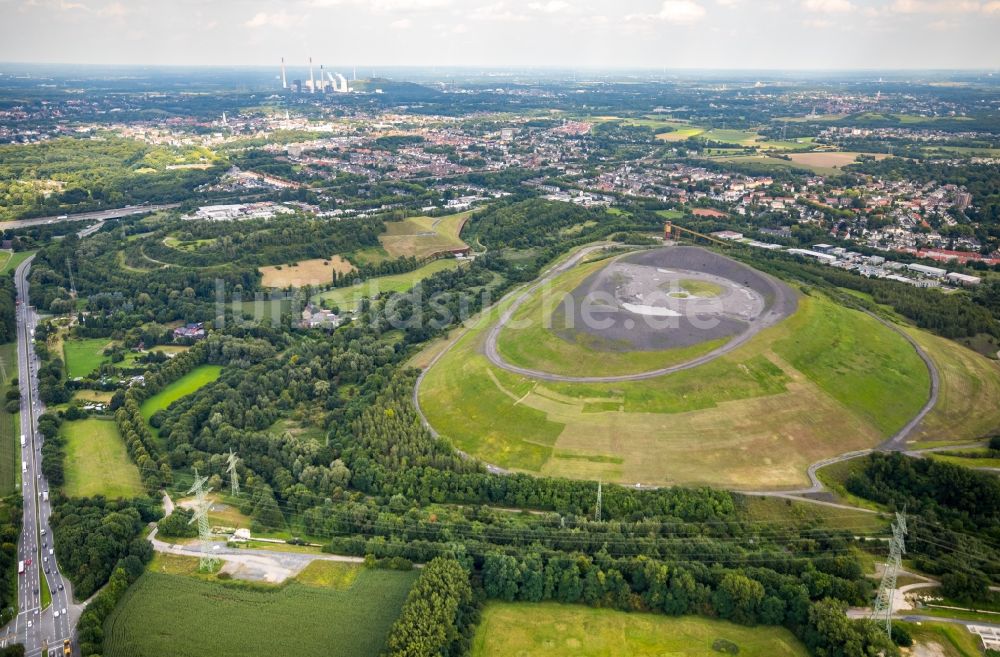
[34, 627]
[267, 565]
[100, 215]
[491, 351]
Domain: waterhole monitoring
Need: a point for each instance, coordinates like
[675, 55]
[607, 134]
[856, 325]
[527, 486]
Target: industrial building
[326, 83]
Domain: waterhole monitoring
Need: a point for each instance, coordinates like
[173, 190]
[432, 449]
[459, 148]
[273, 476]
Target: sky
[657, 34]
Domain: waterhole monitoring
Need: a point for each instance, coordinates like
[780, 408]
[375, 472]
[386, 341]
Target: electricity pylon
[207, 563]
[234, 477]
[882, 610]
[597, 510]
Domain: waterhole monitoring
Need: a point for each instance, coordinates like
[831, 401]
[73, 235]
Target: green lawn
[188, 617]
[554, 630]
[944, 639]
[196, 378]
[84, 355]
[348, 298]
[859, 362]
[9, 260]
[97, 462]
[10, 439]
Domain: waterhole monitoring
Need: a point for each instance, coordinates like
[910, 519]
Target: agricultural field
[968, 406]
[828, 161]
[97, 462]
[196, 378]
[348, 298]
[318, 271]
[421, 237]
[555, 630]
[755, 418]
[164, 614]
[10, 442]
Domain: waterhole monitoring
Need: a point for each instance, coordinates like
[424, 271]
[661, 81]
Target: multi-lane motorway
[99, 215]
[38, 629]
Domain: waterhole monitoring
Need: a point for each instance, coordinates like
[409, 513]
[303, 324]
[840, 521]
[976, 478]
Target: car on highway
[60, 586]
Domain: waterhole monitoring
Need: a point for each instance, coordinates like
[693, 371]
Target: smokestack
[284, 81]
[322, 80]
[312, 80]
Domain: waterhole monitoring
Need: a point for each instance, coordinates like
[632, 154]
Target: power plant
[326, 83]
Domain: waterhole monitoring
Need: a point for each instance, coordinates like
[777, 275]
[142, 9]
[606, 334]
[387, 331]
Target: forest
[75, 175]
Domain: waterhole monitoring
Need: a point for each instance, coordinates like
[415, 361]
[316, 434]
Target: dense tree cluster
[93, 534]
[956, 516]
[11, 512]
[437, 617]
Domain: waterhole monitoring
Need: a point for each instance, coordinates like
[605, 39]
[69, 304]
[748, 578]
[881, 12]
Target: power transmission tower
[882, 611]
[234, 477]
[72, 283]
[597, 510]
[207, 562]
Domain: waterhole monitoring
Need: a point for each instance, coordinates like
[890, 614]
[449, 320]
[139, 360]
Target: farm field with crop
[97, 462]
[164, 614]
[318, 271]
[555, 630]
[754, 418]
[421, 237]
[348, 298]
[196, 378]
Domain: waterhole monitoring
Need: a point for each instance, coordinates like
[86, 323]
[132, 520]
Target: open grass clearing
[318, 271]
[330, 574]
[164, 614]
[968, 406]
[796, 393]
[421, 237]
[10, 439]
[10, 260]
[84, 355]
[827, 161]
[554, 630]
[942, 640]
[97, 462]
[196, 378]
[189, 245]
[348, 298]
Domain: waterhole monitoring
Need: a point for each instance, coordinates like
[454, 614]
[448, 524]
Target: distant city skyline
[673, 34]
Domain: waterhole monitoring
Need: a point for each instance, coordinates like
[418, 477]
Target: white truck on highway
[23, 441]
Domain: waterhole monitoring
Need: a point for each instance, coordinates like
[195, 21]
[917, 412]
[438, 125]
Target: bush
[901, 635]
[995, 442]
[725, 646]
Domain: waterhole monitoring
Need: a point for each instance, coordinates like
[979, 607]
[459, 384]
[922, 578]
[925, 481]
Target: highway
[100, 215]
[36, 628]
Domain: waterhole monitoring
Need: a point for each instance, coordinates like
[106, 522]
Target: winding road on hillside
[896, 442]
[492, 352]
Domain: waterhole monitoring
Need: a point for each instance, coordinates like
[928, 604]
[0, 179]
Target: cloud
[937, 6]
[384, 6]
[992, 7]
[829, 6]
[550, 7]
[497, 12]
[401, 24]
[673, 11]
[279, 19]
[114, 10]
